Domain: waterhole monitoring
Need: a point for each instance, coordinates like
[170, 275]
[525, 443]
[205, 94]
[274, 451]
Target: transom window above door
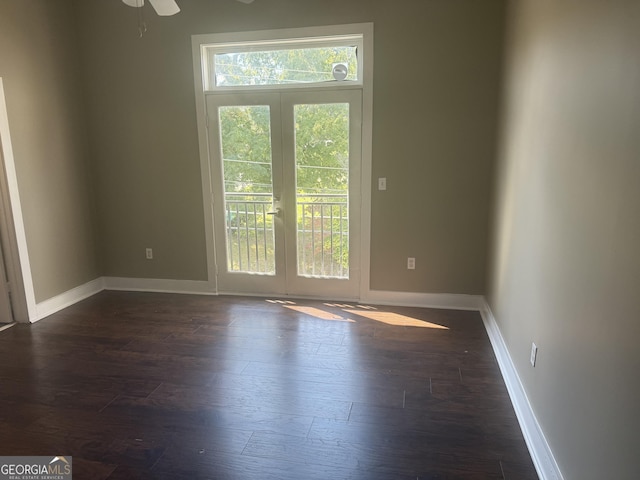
[309, 62]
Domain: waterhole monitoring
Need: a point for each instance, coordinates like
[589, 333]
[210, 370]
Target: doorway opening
[282, 154]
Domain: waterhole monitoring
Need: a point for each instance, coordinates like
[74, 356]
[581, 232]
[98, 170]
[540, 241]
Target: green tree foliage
[322, 148]
[283, 66]
[246, 148]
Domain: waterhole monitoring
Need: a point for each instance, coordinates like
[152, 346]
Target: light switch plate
[534, 354]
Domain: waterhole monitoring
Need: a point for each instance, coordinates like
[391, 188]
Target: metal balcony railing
[322, 224]
[250, 234]
[323, 235]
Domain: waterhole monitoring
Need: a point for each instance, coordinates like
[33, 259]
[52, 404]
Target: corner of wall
[66, 299]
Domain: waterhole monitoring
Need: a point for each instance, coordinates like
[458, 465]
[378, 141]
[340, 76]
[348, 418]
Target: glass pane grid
[245, 138]
[322, 187]
[286, 66]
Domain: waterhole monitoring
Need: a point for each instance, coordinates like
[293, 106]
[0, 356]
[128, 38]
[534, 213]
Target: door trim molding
[366, 153]
[24, 299]
[366, 30]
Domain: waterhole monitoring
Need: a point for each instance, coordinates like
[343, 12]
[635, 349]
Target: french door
[286, 187]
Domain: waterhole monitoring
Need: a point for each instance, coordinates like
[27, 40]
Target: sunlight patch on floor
[366, 311]
[396, 319]
[321, 314]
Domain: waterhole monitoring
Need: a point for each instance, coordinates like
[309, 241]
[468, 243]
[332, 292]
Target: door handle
[275, 207]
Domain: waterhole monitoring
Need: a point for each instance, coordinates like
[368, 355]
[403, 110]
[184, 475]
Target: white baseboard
[66, 299]
[201, 287]
[6, 326]
[452, 301]
[539, 449]
[75, 295]
[197, 287]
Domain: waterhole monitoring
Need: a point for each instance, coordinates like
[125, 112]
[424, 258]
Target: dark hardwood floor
[141, 385]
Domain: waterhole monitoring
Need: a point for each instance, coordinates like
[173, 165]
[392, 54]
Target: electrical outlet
[149, 253]
[534, 354]
[382, 183]
[411, 263]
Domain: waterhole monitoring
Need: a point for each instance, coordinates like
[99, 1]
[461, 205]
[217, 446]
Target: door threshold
[285, 296]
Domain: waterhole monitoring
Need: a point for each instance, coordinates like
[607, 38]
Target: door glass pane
[245, 137]
[288, 66]
[322, 189]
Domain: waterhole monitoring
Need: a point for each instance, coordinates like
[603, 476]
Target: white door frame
[6, 313]
[365, 29]
[12, 229]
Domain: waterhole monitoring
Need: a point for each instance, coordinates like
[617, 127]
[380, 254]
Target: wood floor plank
[150, 385]
[229, 416]
[251, 394]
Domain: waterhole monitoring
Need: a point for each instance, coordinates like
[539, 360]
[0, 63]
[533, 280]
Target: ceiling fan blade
[165, 8]
[133, 3]
[246, 1]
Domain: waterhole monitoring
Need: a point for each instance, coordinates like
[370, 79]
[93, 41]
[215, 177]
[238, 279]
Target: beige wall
[38, 64]
[437, 66]
[566, 269]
